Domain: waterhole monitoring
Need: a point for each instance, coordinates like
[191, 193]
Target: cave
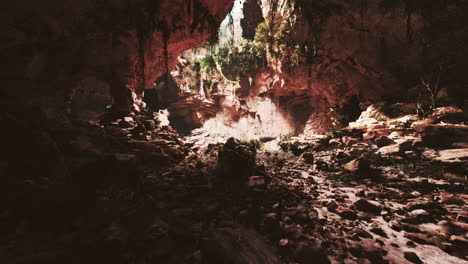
[234, 131]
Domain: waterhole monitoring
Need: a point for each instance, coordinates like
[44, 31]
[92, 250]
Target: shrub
[252, 143]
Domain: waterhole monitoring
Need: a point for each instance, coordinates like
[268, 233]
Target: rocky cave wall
[58, 51]
[358, 52]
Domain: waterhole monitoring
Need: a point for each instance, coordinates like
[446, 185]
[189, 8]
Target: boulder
[308, 157]
[412, 257]
[367, 206]
[236, 163]
[149, 124]
[453, 155]
[359, 166]
[445, 135]
[384, 141]
[347, 214]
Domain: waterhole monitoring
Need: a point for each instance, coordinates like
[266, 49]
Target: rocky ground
[384, 190]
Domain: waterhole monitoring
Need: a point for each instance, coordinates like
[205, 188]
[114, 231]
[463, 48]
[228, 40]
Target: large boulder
[445, 135]
[236, 163]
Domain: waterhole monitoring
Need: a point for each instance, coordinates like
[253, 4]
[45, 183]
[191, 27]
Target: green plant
[252, 143]
[330, 135]
[289, 136]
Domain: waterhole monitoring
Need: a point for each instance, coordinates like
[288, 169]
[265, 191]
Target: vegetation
[253, 143]
[430, 87]
[289, 136]
[330, 135]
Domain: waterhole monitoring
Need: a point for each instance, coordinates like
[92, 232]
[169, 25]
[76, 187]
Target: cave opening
[234, 131]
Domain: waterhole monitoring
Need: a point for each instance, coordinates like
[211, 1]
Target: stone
[419, 238]
[236, 163]
[128, 119]
[383, 141]
[359, 166]
[444, 135]
[271, 225]
[256, 182]
[388, 150]
[367, 206]
[236, 246]
[379, 231]
[331, 206]
[347, 214]
[349, 141]
[452, 155]
[306, 254]
[149, 124]
[308, 157]
[412, 257]
[334, 142]
[125, 124]
[364, 234]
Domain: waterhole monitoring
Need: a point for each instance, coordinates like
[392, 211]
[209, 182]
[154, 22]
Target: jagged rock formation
[53, 48]
[358, 53]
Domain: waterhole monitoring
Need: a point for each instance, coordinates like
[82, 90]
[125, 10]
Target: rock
[237, 246]
[236, 163]
[411, 256]
[334, 142]
[453, 199]
[418, 216]
[367, 206]
[444, 135]
[419, 238]
[388, 150]
[271, 225]
[349, 141]
[125, 124]
[256, 182]
[331, 206]
[453, 155]
[347, 214]
[308, 157]
[379, 231]
[383, 141]
[359, 165]
[306, 254]
[364, 234]
[149, 124]
[128, 119]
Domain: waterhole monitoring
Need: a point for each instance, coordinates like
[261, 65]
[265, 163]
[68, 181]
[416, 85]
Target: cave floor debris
[151, 198]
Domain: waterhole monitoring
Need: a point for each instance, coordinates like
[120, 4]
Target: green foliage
[235, 62]
[263, 36]
[277, 40]
[330, 135]
[190, 73]
[206, 62]
[289, 136]
[253, 143]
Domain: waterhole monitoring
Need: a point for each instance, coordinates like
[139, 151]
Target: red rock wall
[372, 49]
[50, 46]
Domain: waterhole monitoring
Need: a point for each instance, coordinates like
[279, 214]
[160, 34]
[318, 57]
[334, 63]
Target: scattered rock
[367, 206]
[360, 166]
[411, 256]
[383, 141]
[347, 214]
